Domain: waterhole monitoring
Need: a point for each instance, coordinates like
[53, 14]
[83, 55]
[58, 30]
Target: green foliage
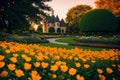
[18, 13]
[98, 20]
[51, 30]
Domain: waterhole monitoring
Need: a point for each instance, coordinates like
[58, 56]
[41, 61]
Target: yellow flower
[13, 59]
[100, 71]
[63, 68]
[28, 59]
[78, 77]
[86, 66]
[57, 57]
[44, 65]
[3, 74]
[15, 55]
[37, 64]
[7, 51]
[54, 75]
[11, 67]
[72, 71]
[1, 57]
[54, 68]
[102, 77]
[77, 64]
[19, 73]
[35, 76]
[2, 64]
[27, 66]
[109, 70]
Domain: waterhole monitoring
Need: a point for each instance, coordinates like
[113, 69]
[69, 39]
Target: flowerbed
[35, 62]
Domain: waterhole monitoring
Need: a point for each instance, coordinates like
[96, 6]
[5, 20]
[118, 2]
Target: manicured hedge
[98, 20]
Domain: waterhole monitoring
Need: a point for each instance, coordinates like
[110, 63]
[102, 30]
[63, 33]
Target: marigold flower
[57, 57]
[13, 59]
[58, 63]
[54, 75]
[102, 77]
[28, 59]
[19, 73]
[15, 55]
[86, 66]
[3, 74]
[63, 68]
[78, 77]
[11, 67]
[2, 64]
[37, 64]
[109, 70]
[100, 71]
[77, 64]
[35, 76]
[7, 51]
[54, 68]
[27, 66]
[72, 71]
[1, 57]
[44, 65]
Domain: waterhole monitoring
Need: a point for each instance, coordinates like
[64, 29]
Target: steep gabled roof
[62, 23]
[57, 19]
[51, 19]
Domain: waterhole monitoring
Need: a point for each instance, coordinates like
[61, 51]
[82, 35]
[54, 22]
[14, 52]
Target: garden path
[53, 40]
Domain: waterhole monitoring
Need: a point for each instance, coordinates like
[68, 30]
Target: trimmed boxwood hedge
[98, 20]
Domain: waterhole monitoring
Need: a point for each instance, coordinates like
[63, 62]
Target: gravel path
[53, 40]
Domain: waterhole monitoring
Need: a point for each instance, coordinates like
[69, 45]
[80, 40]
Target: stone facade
[55, 22]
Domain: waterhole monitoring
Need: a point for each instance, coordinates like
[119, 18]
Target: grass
[66, 40]
[72, 47]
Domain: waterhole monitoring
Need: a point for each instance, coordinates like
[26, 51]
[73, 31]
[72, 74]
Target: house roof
[62, 23]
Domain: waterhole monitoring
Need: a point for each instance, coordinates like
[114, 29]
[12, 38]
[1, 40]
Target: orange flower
[15, 55]
[3, 74]
[1, 57]
[63, 68]
[57, 57]
[100, 71]
[37, 64]
[109, 70]
[102, 77]
[54, 68]
[86, 66]
[11, 67]
[2, 64]
[13, 59]
[7, 51]
[19, 73]
[77, 64]
[72, 71]
[54, 75]
[27, 66]
[28, 59]
[44, 65]
[78, 77]
[35, 76]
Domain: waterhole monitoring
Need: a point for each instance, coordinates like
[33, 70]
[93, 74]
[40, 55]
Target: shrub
[98, 20]
[51, 30]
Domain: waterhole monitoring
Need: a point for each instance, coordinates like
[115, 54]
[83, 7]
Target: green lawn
[72, 47]
[66, 40]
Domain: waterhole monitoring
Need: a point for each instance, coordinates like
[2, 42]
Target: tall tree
[16, 14]
[75, 13]
[112, 5]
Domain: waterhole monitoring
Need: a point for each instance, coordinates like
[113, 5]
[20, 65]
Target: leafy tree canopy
[75, 13]
[112, 5]
[17, 14]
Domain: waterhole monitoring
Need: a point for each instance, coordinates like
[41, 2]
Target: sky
[61, 7]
